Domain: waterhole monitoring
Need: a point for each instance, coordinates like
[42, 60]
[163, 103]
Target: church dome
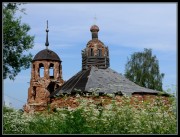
[95, 42]
[46, 54]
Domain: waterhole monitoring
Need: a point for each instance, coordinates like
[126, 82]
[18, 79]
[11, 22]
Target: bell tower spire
[47, 42]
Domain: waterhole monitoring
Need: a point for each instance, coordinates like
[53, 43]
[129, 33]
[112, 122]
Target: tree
[16, 42]
[143, 69]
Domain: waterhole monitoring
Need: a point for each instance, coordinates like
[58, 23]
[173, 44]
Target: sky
[124, 27]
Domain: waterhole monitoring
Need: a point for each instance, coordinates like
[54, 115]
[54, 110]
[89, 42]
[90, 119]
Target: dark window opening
[92, 53]
[99, 52]
[52, 87]
[107, 53]
[34, 93]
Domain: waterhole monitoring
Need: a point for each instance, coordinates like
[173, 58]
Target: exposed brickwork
[95, 53]
[41, 86]
[73, 101]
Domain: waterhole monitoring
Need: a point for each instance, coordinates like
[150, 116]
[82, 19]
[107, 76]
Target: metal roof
[46, 54]
[101, 81]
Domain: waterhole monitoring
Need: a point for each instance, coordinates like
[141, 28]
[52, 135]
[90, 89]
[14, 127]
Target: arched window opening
[51, 70]
[92, 53]
[99, 52]
[41, 70]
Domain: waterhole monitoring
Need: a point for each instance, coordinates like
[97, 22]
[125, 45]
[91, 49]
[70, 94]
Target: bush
[155, 117]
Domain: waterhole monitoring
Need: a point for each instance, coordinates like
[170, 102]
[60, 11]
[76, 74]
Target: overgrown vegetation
[157, 117]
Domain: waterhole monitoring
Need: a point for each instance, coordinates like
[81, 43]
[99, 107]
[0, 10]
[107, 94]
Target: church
[95, 76]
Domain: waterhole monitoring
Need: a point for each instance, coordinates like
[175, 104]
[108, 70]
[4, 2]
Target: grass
[155, 117]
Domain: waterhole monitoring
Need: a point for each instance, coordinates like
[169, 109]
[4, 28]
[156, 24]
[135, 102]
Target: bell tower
[46, 77]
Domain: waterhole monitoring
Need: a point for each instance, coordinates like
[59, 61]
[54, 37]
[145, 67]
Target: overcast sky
[124, 27]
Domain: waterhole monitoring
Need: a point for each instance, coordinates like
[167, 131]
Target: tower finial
[95, 19]
[47, 43]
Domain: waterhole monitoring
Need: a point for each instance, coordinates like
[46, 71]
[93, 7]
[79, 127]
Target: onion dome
[95, 42]
[94, 28]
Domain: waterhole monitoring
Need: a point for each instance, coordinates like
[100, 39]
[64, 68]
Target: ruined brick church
[47, 83]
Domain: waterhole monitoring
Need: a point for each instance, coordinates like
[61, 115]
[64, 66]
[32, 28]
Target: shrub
[155, 117]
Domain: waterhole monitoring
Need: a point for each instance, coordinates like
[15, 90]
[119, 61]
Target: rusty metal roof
[46, 54]
[101, 81]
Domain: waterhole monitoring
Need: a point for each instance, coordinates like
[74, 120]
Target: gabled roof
[101, 81]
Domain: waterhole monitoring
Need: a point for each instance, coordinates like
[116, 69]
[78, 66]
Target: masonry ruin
[47, 84]
[46, 76]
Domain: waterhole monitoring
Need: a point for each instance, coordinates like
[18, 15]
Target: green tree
[16, 42]
[143, 69]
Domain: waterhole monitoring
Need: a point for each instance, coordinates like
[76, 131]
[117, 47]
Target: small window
[99, 52]
[92, 53]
